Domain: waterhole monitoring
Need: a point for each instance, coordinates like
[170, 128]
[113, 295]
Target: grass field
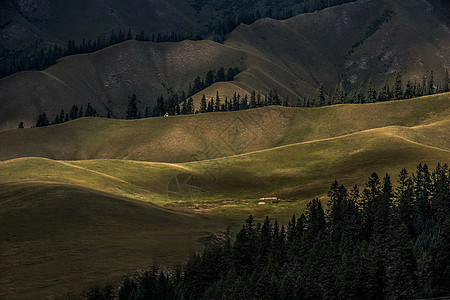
[60, 238]
[190, 138]
[107, 197]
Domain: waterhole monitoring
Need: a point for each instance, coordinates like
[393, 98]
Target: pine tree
[409, 91]
[320, 95]
[73, 112]
[90, 111]
[384, 94]
[445, 82]
[371, 93]
[42, 120]
[404, 206]
[401, 273]
[398, 87]
[57, 120]
[430, 86]
[132, 111]
[209, 80]
[360, 94]
[61, 116]
[190, 106]
[244, 103]
[203, 104]
[253, 100]
[220, 76]
[217, 104]
[80, 112]
[439, 260]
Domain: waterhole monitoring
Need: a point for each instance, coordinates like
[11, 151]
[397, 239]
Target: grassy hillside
[231, 186]
[64, 223]
[60, 238]
[350, 43]
[211, 135]
[285, 170]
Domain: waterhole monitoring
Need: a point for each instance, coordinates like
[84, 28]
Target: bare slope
[211, 135]
[352, 42]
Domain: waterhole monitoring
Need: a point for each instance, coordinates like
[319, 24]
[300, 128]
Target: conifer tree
[203, 104]
[132, 111]
[409, 91]
[253, 100]
[398, 87]
[360, 94]
[430, 86]
[61, 116]
[320, 95]
[217, 105]
[190, 106]
[371, 93]
[401, 273]
[73, 112]
[244, 103]
[80, 112]
[42, 120]
[384, 94]
[445, 82]
[439, 260]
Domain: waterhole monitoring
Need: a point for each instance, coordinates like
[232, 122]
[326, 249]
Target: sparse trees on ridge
[179, 104]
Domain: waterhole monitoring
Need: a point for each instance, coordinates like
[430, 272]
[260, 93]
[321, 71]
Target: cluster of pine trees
[378, 243]
[367, 93]
[38, 57]
[211, 77]
[63, 117]
[181, 105]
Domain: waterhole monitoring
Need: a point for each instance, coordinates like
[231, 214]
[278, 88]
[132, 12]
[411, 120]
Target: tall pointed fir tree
[398, 87]
[132, 111]
[320, 95]
[203, 104]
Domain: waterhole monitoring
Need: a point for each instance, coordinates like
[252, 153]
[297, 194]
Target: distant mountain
[350, 43]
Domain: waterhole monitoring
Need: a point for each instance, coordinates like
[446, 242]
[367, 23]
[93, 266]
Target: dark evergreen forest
[376, 243]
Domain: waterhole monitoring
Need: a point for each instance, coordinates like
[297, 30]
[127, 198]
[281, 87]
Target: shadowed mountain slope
[350, 42]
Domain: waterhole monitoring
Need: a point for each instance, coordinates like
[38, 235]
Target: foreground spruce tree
[132, 111]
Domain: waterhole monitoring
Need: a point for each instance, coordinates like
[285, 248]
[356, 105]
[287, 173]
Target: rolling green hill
[211, 135]
[350, 42]
[296, 171]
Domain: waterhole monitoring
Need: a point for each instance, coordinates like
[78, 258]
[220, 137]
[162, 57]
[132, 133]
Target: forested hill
[349, 43]
[36, 33]
[376, 242]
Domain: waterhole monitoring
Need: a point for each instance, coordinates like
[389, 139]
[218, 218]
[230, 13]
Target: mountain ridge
[292, 56]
